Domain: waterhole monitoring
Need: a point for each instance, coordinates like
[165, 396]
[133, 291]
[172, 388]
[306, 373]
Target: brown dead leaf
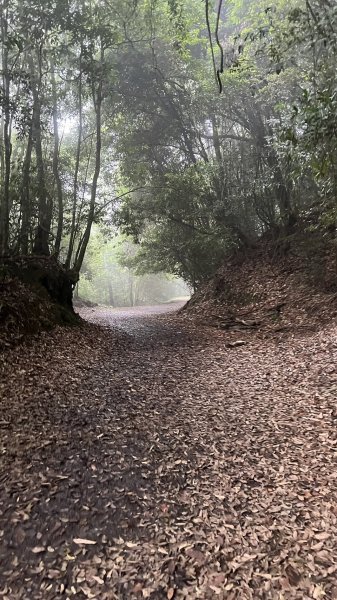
[293, 575]
[98, 579]
[38, 549]
[318, 592]
[324, 535]
[334, 593]
[131, 545]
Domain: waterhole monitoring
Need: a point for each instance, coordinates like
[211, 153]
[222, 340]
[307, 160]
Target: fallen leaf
[38, 549]
[293, 575]
[131, 545]
[322, 536]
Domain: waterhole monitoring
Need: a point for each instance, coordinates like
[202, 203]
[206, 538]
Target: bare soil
[141, 457]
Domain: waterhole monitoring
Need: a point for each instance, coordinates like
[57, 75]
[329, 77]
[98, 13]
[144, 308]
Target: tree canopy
[111, 115]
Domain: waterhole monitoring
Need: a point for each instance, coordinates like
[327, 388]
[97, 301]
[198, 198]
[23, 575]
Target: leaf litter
[143, 458]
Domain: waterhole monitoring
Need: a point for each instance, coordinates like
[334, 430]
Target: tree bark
[25, 195]
[73, 227]
[4, 207]
[41, 242]
[56, 171]
[97, 100]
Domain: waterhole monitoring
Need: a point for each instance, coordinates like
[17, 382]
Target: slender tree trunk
[73, 227]
[216, 141]
[97, 99]
[4, 207]
[41, 242]
[260, 131]
[2, 151]
[79, 212]
[108, 281]
[171, 108]
[219, 183]
[131, 296]
[282, 192]
[25, 195]
[56, 170]
[111, 294]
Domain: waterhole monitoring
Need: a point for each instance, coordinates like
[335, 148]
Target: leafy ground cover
[142, 457]
[35, 295]
[284, 286]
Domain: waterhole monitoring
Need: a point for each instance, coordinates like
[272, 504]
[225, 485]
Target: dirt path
[137, 322]
[145, 459]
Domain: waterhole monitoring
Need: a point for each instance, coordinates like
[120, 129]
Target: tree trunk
[73, 227]
[219, 183]
[56, 167]
[282, 192]
[111, 294]
[97, 99]
[131, 297]
[25, 195]
[41, 242]
[4, 207]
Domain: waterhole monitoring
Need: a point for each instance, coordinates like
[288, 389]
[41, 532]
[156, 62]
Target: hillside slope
[35, 295]
[279, 285]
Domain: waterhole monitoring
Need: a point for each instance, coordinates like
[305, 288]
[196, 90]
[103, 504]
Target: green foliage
[132, 86]
[109, 275]
[181, 228]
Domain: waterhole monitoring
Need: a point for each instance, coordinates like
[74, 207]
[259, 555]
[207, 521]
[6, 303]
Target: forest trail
[135, 321]
[145, 459]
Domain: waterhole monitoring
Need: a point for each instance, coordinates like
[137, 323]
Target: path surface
[145, 459]
[135, 321]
